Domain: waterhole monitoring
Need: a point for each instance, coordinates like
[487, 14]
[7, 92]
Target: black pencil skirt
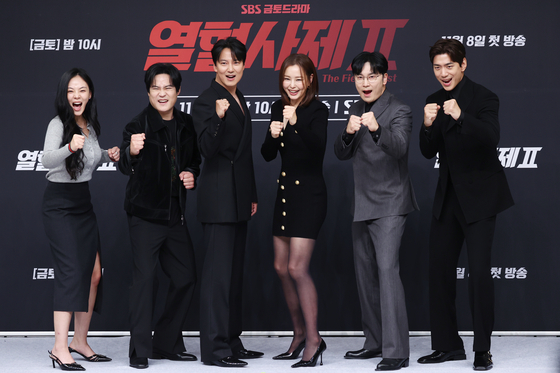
[71, 228]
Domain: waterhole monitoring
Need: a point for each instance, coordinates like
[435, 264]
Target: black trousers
[221, 290]
[170, 245]
[446, 240]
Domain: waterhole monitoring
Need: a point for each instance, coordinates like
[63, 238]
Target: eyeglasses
[370, 78]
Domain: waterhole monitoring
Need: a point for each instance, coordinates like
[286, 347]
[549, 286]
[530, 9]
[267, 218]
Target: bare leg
[281, 259]
[83, 319]
[61, 325]
[301, 250]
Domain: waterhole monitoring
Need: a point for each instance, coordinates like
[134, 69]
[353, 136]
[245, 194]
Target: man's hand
[354, 124]
[187, 178]
[137, 143]
[430, 114]
[368, 119]
[221, 107]
[451, 107]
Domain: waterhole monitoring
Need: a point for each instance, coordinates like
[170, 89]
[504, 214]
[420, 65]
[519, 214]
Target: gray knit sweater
[54, 154]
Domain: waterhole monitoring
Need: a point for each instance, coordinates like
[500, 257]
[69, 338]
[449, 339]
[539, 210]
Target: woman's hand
[275, 128]
[290, 114]
[77, 142]
[114, 153]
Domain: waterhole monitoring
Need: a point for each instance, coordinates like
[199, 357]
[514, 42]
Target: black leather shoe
[392, 364]
[229, 362]
[247, 354]
[139, 362]
[442, 356]
[362, 354]
[483, 361]
[181, 356]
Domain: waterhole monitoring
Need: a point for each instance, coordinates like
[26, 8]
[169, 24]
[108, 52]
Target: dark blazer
[148, 192]
[227, 183]
[382, 186]
[468, 153]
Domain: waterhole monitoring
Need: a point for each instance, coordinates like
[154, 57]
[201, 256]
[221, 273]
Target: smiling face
[229, 70]
[448, 72]
[163, 95]
[78, 95]
[295, 84]
[370, 85]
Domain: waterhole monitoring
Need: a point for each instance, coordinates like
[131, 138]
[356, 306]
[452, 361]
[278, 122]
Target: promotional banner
[115, 42]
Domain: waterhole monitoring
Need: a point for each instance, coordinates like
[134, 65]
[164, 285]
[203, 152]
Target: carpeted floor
[511, 354]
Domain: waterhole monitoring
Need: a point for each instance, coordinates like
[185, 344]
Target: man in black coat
[461, 125]
[227, 198]
[160, 155]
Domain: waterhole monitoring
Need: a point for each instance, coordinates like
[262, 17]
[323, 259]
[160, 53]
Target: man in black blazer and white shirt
[461, 125]
[227, 198]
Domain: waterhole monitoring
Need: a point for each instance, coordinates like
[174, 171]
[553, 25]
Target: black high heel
[93, 358]
[71, 366]
[291, 355]
[313, 361]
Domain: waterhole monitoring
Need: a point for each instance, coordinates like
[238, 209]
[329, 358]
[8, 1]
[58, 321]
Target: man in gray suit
[376, 138]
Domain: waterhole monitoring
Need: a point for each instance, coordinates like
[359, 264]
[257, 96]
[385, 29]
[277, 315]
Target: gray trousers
[376, 260]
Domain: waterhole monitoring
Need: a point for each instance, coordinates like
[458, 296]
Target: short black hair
[377, 61]
[452, 47]
[163, 68]
[238, 49]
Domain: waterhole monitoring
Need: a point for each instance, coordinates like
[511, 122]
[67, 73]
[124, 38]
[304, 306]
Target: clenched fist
[77, 142]
[430, 114]
[221, 107]
[187, 178]
[137, 143]
[275, 128]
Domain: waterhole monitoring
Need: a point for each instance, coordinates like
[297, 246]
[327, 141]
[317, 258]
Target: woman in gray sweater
[71, 153]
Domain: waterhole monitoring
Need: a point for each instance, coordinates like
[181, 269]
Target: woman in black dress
[72, 153]
[298, 131]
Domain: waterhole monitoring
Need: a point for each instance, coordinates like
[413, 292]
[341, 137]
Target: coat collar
[379, 105]
[156, 121]
[233, 105]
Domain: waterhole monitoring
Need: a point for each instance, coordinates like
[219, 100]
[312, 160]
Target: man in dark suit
[376, 139]
[160, 155]
[227, 198]
[461, 124]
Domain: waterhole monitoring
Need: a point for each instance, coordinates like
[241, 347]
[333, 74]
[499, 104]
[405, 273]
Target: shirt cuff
[376, 134]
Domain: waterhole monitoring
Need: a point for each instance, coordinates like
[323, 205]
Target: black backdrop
[508, 51]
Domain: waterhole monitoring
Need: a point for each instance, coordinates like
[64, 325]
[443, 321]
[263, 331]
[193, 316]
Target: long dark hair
[74, 163]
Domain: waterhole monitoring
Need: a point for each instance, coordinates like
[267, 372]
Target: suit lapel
[245, 121]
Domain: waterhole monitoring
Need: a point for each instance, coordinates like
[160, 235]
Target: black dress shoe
[139, 362]
[442, 356]
[392, 364]
[247, 354]
[229, 362]
[362, 354]
[181, 356]
[483, 361]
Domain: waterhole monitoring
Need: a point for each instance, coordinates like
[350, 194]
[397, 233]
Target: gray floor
[511, 354]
